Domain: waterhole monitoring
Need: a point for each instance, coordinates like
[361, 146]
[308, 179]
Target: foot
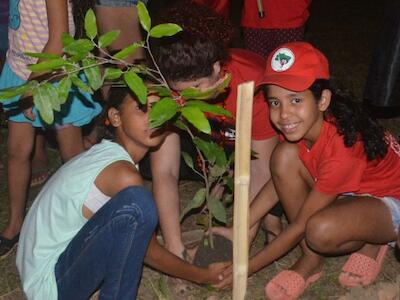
[39, 176]
[7, 245]
[362, 267]
[289, 285]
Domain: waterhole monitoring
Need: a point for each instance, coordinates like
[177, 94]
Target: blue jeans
[109, 250]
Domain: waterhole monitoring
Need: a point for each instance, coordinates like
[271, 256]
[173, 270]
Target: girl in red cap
[336, 172]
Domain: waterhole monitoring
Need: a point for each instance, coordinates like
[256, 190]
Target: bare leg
[20, 143]
[40, 163]
[70, 142]
[351, 224]
[293, 188]
[165, 172]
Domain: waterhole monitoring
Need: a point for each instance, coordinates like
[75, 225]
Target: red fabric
[278, 14]
[245, 66]
[219, 6]
[295, 66]
[337, 169]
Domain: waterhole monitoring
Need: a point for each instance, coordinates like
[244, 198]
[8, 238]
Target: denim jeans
[109, 250]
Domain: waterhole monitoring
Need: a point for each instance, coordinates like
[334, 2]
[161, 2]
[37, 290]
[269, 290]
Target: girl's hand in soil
[216, 272]
[226, 232]
[227, 279]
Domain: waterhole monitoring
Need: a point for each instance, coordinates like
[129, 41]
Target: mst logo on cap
[282, 59]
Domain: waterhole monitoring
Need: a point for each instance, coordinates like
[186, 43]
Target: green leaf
[66, 39]
[167, 29]
[179, 124]
[220, 156]
[112, 73]
[92, 73]
[193, 93]
[127, 51]
[228, 182]
[217, 171]
[206, 148]
[188, 159]
[106, 39]
[217, 209]
[63, 89]
[210, 108]
[41, 99]
[163, 111]
[48, 65]
[42, 55]
[90, 24]
[53, 96]
[79, 47]
[6, 94]
[162, 91]
[196, 202]
[136, 84]
[144, 16]
[227, 199]
[81, 85]
[196, 117]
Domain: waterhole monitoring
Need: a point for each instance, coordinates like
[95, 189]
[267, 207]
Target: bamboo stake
[244, 111]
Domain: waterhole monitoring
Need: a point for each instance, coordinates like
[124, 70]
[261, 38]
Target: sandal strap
[359, 265]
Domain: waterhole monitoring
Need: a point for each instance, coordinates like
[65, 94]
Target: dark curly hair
[352, 121]
[190, 54]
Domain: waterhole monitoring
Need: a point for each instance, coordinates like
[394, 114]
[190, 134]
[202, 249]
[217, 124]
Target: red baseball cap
[295, 66]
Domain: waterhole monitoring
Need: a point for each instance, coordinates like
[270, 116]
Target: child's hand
[28, 113]
[216, 272]
[227, 278]
[226, 232]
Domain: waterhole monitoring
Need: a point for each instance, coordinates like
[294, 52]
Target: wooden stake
[244, 111]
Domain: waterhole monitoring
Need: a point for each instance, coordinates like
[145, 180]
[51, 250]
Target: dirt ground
[346, 32]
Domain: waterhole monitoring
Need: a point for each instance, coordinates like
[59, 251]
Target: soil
[206, 254]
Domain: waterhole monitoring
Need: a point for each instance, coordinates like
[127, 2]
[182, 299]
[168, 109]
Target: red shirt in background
[337, 169]
[245, 65]
[278, 14]
[219, 6]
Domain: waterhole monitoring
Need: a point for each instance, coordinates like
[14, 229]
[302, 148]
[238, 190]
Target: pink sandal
[288, 285]
[361, 269]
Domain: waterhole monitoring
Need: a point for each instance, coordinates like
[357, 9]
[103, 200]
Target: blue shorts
[119, 3]
[79, 110]
[394, 206]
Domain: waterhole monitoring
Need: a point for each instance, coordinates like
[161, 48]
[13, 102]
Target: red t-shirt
[337, 169]
[278, 14]
[219, 6]
[245, 65]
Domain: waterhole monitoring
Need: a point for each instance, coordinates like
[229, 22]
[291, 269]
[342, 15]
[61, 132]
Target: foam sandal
[361, 269]
[39, 176]
[289, 285]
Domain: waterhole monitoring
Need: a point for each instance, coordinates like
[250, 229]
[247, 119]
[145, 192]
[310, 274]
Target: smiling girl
[336, 172]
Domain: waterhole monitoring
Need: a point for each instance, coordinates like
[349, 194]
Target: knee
[137, 203]
[321, 234]
[283, 158]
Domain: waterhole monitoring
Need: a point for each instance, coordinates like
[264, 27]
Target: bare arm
[161, 259]
[293, 234]
[57, 17]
